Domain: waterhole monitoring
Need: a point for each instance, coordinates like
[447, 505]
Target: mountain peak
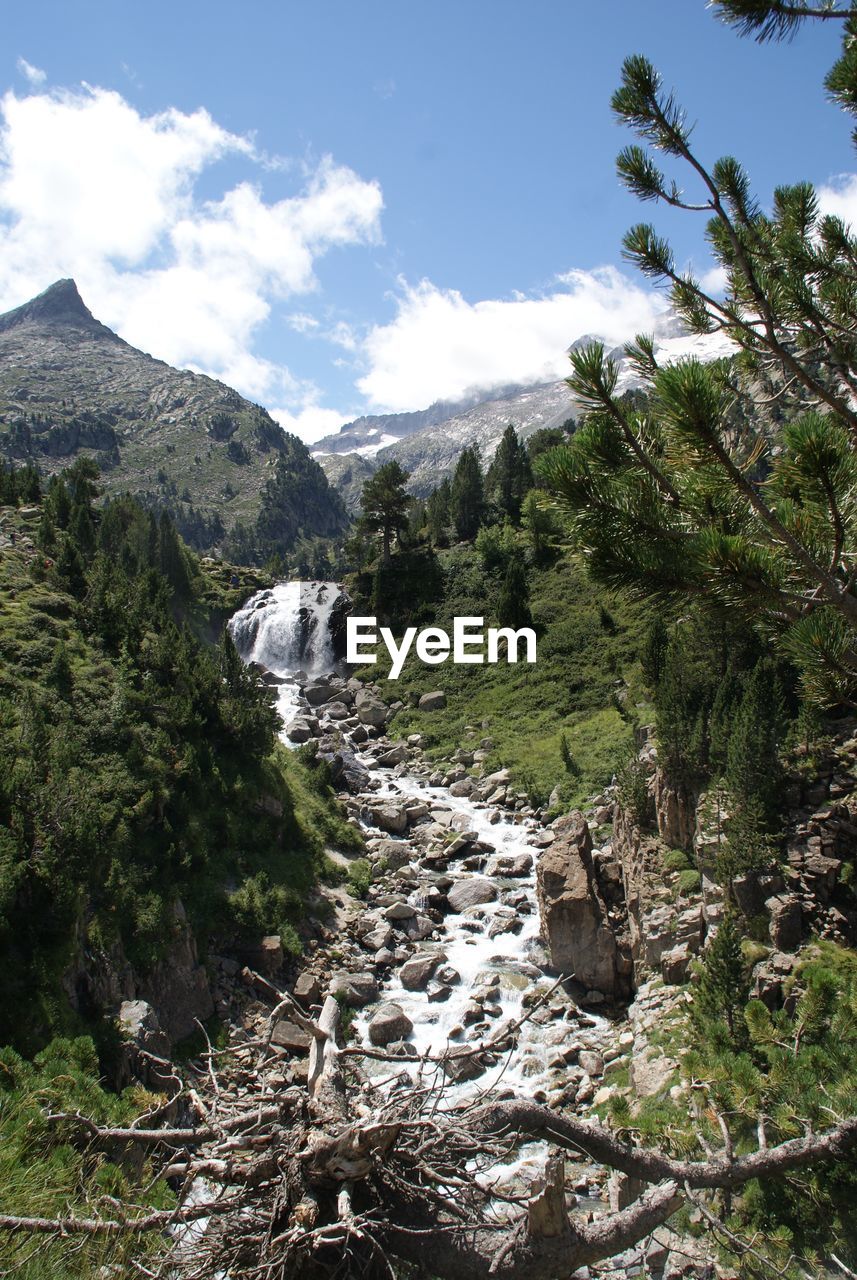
[61, 303]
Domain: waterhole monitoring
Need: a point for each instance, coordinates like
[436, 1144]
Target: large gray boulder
[395, 853]
[370, 709]
[299, 731]
[434, 701]
[581, 938]
[139, 1024]
[292, 1037]
[358, 989]
[391, 817]
[317, 694]
[471, 893]
[389, 1023]
[415, 973]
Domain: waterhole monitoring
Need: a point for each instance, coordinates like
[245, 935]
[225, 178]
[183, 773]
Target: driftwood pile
[354, 1176]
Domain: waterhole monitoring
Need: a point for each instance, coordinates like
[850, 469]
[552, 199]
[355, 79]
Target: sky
[348, 208]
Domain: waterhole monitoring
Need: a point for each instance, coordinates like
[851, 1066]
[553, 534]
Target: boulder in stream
[471, 893]
[416, 972]
[389, 1023]
[581, 937]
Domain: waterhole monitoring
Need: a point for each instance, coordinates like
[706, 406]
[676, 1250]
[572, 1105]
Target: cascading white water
[286, 629]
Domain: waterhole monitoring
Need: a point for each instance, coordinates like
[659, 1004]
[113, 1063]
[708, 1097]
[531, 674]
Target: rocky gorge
[486, 949]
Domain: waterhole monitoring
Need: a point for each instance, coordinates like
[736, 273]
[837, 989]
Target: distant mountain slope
[347, 473]
[176, 439]
[431, 451]
[365, 436]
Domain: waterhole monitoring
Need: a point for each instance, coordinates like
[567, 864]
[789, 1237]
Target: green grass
[526, 708]
[47, 1171]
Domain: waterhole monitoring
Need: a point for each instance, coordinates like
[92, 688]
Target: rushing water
[286, 630]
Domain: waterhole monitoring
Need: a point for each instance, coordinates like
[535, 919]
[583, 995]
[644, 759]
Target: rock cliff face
[581, 903]
[675, 812]
[100, 981]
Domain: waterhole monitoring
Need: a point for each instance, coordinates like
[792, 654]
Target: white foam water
[286, 629]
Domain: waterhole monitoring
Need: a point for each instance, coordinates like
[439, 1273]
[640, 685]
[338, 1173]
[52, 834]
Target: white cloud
[91, 188]
[310, 423]
[35, 75]
[839, 197]
[439, 346]
[715, 280]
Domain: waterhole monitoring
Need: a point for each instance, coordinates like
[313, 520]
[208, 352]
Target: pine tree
[679, 494]
[58, 504]
[384, 504]
[59, 675]
[513, 605]
[509, 475]
[439, 513]
[723, 989]
[754, 774]
[467, 495]
[653, 657]
[540, 525]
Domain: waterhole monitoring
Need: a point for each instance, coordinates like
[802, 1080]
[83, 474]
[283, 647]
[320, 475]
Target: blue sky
[350, 207]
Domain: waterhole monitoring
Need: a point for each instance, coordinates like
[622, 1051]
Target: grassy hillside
[141, 764]
[585, 683]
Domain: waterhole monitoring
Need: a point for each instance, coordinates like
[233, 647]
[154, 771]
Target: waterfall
[287, 628]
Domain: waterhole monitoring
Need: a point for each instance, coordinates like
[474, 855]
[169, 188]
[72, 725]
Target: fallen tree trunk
[356, 1178]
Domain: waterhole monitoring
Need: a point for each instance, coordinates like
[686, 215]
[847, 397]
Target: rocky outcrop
[585, 932]
[178, 986]
[675, 811]
[177, 989]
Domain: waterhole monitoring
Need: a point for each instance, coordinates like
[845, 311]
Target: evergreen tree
[754, 774]
[723, 988]
[682, 495]
[384, 504]
[81, 530]
[59, 675]
[654, 651]
[439, 513]
[548, 438]
[58, 505]
[513, 605]
[467, 495]
[70, 569]
[172, 562]
[540, 525]
[509, 475]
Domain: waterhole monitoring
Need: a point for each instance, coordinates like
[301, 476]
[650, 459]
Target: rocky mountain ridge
[177, 440]
[429, 443]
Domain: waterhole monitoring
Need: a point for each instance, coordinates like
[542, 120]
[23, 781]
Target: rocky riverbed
[475, 908]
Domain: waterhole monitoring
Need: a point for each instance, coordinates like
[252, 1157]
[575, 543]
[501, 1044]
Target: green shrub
[675, 860]
[359, 877]
[258, 908]
[632, 790]
[689, 882]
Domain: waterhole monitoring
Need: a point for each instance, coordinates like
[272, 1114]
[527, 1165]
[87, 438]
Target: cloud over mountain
[92, 188]
[439, 346]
